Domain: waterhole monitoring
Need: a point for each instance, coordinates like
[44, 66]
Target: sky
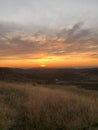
[48, 33]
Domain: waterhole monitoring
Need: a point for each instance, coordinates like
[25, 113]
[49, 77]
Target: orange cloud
[76, 46]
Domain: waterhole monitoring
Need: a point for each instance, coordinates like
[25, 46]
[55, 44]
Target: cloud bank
[17, 41]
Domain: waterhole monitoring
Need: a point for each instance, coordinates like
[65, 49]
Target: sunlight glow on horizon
[43, 65]
[51, 61]
[48, 33]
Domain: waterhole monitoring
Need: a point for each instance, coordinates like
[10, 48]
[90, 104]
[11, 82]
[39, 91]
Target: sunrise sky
[48, 33]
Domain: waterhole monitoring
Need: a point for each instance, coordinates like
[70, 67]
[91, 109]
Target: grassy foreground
[28, 107]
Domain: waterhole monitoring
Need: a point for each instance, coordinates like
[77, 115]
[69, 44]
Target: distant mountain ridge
[50, 75]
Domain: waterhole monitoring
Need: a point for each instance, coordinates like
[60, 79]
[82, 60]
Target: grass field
[40, 107]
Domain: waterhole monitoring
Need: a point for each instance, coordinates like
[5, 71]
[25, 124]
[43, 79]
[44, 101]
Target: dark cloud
[77, 39]
[94, 55]
[7, 27]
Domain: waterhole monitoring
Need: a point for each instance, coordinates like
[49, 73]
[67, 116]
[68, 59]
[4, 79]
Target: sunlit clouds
[66, 47]
[48, 33]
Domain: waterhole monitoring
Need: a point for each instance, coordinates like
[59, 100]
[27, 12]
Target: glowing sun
[43, 65]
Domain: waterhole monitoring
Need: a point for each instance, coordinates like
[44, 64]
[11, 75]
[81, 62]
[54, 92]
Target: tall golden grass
[27, 107]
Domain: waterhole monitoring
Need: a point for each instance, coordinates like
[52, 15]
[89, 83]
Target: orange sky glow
[72, 48]
[51, 61]
[49, 33]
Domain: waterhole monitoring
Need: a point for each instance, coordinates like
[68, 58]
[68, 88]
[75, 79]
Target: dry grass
[25, 107]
